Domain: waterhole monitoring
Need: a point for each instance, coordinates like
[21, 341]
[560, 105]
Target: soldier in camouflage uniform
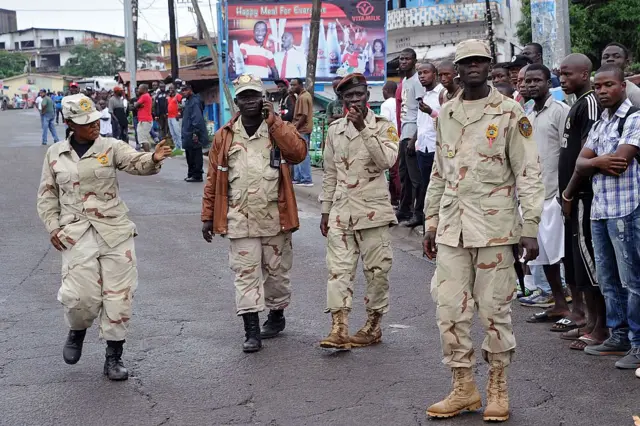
[357, 212]
[79, 203]
[485, 155]
[249, 198]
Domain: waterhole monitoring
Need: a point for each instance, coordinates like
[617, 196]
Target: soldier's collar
[493, 106]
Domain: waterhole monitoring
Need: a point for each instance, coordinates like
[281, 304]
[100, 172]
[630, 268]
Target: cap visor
[86, 119]
[474, 55]
[249, 87]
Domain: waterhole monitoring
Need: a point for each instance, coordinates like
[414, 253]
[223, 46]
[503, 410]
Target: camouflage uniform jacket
[354, 188]
[77, 193]
[479, 163]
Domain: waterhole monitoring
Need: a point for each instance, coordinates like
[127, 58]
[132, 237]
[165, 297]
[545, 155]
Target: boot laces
[497, 385]
[458, 383]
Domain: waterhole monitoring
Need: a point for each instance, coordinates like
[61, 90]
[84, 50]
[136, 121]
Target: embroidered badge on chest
[492, 134]
[103, 159]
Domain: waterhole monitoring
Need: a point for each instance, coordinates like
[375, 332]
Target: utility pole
[173, 41]
[490, 34]
[312, 56]
[550, 28]
[130, 32]
[214, 55]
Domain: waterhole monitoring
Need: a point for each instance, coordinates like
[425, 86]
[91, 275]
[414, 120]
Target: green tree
[103, 57]
[594, 24]
[523, 28]
[12, 64]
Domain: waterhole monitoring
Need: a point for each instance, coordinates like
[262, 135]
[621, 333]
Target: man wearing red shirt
[145, 119]
[173, 102]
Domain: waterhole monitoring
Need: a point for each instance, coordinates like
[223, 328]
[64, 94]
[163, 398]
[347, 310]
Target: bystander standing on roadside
[609, 157]
[145, 119]
[617, 54]
[194, 133]
[174, 101]
[47, 116]
[118, 109]
[303, 120]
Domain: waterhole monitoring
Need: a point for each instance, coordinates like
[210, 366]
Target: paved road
[184, 350]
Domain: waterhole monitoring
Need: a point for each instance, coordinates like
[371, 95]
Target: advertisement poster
[271, 39]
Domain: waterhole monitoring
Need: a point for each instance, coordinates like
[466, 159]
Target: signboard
[271, 40]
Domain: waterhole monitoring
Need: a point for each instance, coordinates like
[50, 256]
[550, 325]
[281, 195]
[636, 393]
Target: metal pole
[489, 19]
[222, 70]
[312, 56]
[173, 41]
[134, 68]
[214, 55]
[129, 46]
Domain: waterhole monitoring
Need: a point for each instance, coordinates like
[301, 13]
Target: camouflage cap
[248, 82]
[80, 109]
[351, 80]
[472, 48]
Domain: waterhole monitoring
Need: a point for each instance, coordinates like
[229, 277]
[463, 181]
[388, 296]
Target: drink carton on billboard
[271, 39]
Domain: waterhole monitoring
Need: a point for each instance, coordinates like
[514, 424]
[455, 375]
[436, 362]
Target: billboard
[271, 39]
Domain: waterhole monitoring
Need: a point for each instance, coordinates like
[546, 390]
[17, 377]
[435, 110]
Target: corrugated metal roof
[144, 75]
[197, 74]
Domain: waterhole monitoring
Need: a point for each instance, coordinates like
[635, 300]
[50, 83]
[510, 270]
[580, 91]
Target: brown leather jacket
[215, 202]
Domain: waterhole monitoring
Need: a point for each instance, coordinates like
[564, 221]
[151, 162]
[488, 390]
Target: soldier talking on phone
[249, 198]
[357, 212]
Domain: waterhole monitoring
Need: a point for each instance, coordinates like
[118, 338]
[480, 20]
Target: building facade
[49, 49]
[433, 27]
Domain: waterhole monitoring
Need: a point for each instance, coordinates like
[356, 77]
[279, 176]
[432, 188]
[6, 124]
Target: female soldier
[80, 205]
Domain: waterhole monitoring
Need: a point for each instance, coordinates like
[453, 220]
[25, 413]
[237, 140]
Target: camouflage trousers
[470, 279]
[98, 280]
[262, 268]
[344, 248]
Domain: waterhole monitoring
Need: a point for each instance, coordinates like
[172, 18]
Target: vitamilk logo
[365, 9]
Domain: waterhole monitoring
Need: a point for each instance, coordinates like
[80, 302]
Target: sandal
[574, 334]
[565, 324]
[589, 340]
[578, 345]
[543, 316]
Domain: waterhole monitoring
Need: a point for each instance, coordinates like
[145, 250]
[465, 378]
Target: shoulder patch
[524, 127]
[392, 133]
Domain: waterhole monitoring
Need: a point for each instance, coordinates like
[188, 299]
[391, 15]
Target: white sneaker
[638, 373]
[306, 185]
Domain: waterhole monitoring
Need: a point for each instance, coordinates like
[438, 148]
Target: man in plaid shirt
[609, 156]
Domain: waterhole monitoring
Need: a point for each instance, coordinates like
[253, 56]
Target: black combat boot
[73, 346]
[113, 367]
[274, 324]
[252, 343]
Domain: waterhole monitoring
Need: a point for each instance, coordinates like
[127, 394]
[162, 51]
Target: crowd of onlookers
[587, 129]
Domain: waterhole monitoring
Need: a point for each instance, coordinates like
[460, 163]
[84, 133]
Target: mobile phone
[275, 158]
[265, 113]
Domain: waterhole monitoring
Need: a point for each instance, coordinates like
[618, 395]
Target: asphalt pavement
[184, 351]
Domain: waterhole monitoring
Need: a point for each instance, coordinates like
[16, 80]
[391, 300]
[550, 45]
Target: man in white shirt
[39, 101]
[425, 140]
[388, 107]
[290, 62]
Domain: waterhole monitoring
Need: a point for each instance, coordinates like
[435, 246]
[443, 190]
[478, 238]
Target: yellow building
[187, 55]
[18, 83]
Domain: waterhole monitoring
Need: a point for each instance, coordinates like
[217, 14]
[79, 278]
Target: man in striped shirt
[259, 60]
[609, 157]
[575, 73]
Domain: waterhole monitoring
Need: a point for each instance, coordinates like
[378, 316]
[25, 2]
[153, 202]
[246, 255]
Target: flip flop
[574, 334]
[578, 345]
[565, 324]
[542, 317]
[589, 340]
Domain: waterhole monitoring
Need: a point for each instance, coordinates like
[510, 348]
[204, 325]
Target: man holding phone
[249, 198]
[357, 212]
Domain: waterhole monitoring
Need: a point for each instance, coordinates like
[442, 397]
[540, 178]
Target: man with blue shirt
[533, 51]
[610, 158]
[57, 99]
